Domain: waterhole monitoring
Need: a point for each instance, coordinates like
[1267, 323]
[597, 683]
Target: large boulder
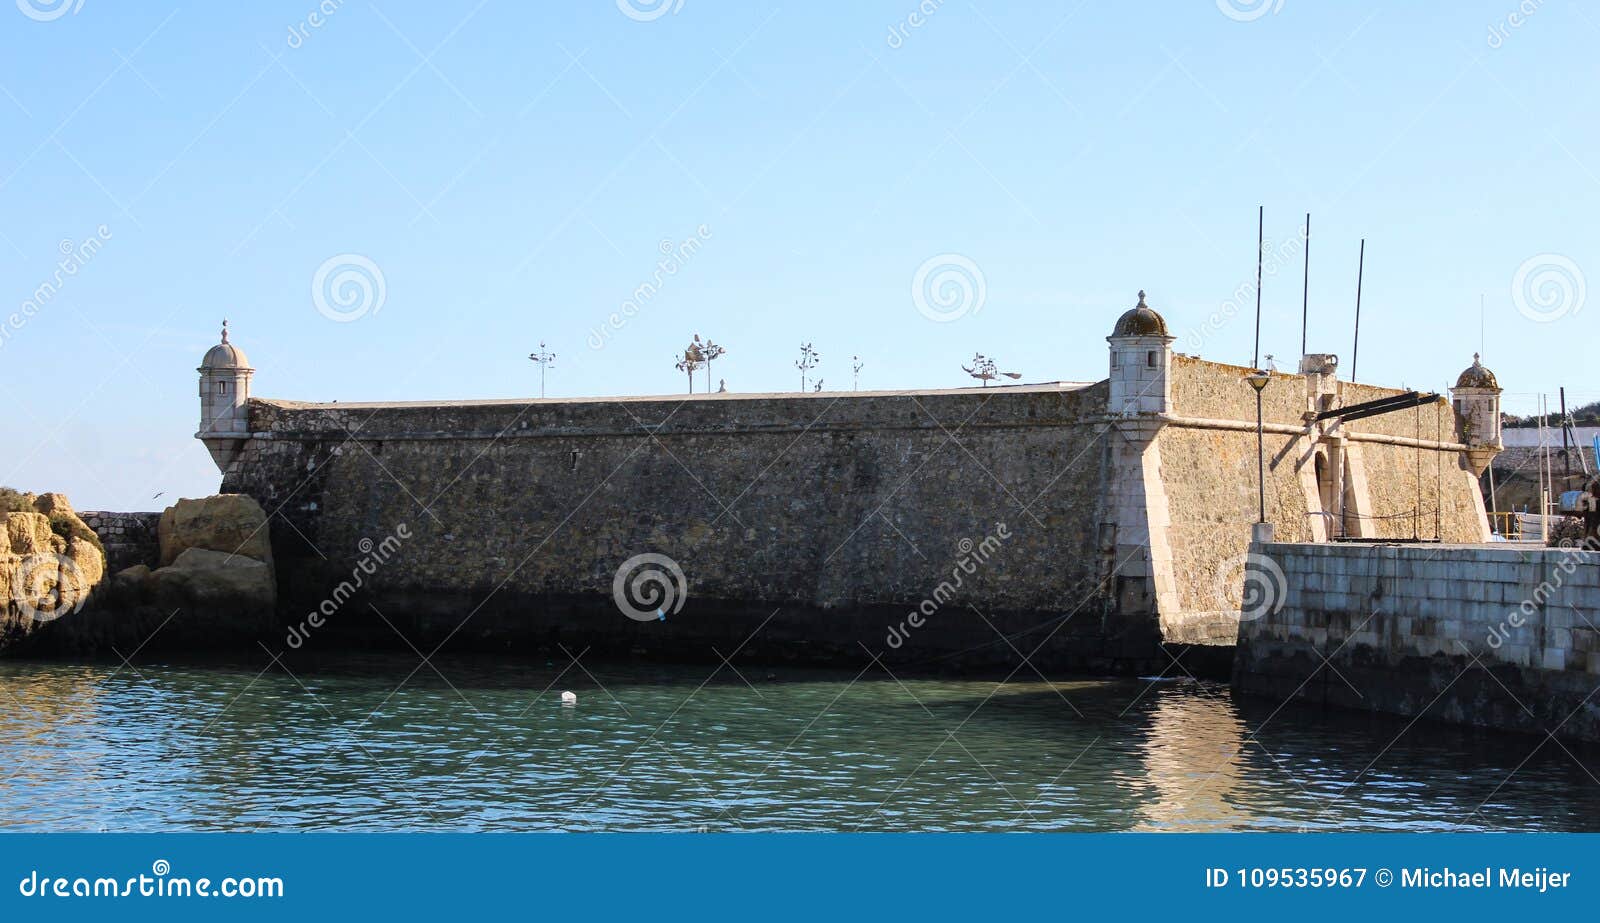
[203, 581]
[233, 524]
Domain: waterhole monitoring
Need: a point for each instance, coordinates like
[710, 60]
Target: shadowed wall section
[825, 521]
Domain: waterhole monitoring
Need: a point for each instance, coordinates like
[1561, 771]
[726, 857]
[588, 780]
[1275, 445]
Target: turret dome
[1476, 376]
[225, 355]
[1140, 321]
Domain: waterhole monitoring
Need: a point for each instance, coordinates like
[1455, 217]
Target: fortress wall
[822, 520]
[1210, 479]
[846, 518]
[1400, 492]
[1211, 487]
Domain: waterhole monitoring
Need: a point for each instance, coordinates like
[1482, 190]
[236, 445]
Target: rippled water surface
[487, 745]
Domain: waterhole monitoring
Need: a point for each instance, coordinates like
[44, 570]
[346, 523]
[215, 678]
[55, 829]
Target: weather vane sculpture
[693, 358]
[806, 362]
[984, 369]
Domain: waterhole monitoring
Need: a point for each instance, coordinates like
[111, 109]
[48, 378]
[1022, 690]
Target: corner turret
[1476, 398]
[224, 401]
[1141, 364]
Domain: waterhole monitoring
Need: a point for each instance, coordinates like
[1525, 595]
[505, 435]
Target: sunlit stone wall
[1497, 636]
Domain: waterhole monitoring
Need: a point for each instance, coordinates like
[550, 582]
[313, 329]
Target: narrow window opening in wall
[574, 464]
[1108, 535]
[377, 449]
[1150, 358]
[222, 387]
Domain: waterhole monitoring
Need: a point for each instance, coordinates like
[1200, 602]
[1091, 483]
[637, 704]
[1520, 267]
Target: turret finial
[1475, 359]
[224, 330]
[1141, 298]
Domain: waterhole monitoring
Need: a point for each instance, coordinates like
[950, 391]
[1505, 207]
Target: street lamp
[1258, 380]
[545, 358]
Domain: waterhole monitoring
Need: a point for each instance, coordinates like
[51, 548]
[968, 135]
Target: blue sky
[512, 171]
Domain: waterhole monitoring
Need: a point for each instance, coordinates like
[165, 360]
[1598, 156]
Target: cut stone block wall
[129, 538]
[1500, 636]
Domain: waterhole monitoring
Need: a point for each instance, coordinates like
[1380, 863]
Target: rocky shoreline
[213, 585]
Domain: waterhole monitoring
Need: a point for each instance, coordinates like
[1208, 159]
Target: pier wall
[1498, 636]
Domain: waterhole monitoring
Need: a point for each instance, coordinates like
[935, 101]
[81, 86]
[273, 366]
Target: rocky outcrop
[230, 523]
[51, 563]
[214, 580]
[216, 586]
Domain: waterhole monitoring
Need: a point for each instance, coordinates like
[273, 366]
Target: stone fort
[1087, 525]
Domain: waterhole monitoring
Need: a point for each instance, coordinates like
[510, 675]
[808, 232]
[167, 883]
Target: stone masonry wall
[1210, 479]
[129, 538]
[813, 524]
[1499, 636]
[821, 520]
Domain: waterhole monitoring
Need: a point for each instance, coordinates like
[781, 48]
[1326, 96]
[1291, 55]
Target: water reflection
[1194, 761]
[486, 745]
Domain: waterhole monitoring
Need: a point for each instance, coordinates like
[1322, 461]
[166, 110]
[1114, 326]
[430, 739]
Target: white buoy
[569, 698]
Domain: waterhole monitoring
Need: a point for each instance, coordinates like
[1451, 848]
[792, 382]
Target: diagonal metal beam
[1382, 405]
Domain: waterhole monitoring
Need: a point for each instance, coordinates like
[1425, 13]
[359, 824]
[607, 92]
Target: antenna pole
[1305, 289]
[1261, 212]
[1566, 448]
[1361, 265]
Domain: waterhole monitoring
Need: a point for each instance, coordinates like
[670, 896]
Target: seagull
[569, 698]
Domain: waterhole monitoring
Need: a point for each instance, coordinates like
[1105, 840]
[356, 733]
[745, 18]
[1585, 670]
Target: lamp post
[544, 357]
[1258, 380]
